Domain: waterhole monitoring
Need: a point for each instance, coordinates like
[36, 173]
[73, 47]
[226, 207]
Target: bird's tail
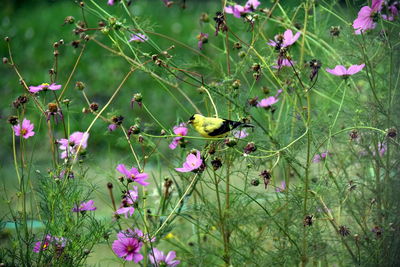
[241, 124]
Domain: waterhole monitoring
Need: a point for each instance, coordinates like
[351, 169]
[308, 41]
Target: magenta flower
[192, 163]
[128, 248]
[133, 174]
[128, 201]
[180, 130]
[340, 70]
[25, 129]
[75, 142]
[112, 127]
[110, 2]
[252, 5]
[203, 38]
[42, 245]
[282, 188]
[44, 87]
[267, 102]
[367, 16]
[158, 258]
[285, 40]
[138, 38]
[238, 10]
[283, 63]
[240, 134]
[320, 157]
[84, 206]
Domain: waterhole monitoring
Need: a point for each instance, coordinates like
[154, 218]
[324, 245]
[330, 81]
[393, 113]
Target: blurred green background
[34, 26]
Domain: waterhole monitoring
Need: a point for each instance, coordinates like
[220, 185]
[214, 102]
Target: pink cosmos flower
[128, 248]
[25, 129]
[320, 157]
[42, 245]
[238, 10]
[393, 11]
[283, 63]
[240, 134]
[203, 38]
[252, 5]
[84, 206]
[128, 201]
[180, 130]
[367, 16]
[112, 127]
[340, 70]
[110, 2]
[267, 102]
[285, 40]
[158, 258]
[282, 188]
[192, 163]
[44, 86]
[75, 142]
[137, 233]
[133, 174]
[138, 38]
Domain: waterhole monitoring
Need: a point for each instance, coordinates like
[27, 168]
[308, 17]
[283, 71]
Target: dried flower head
[344, 230]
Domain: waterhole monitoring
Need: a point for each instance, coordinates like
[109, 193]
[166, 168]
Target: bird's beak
[189, 122]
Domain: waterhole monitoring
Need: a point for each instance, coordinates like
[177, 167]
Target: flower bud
[392, 132]
[109, 185]
[204, 17]
[216, 163]
[242, 54]
[335, 31]
[69, 20]
[5, 60]
[236, 84]
[80, 86]
[237, 45]
[255, 182]
[7, 39]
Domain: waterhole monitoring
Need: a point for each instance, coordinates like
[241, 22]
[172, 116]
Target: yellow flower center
[133, 176]
[23, 131]
[130, 248]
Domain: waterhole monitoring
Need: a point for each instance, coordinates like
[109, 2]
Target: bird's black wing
[224, 128]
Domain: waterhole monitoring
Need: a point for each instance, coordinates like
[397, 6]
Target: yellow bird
[214, 127]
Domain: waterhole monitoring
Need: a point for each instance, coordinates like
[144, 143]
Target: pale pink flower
[158, 258]
[238, 10]
[72, 145]
[44, 87]
[340, 70]
[192, 163]
[25, 129]
[128, 201]
[283, 63]
[267, 102]
[366, 19]
[240, 134]
[133, 174]
[138, 38]
[285, 40]
[110, 2]
[84, 206]
[180, 130]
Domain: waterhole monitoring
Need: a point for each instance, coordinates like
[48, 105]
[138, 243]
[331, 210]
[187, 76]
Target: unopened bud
[80, 86]
[5, 60]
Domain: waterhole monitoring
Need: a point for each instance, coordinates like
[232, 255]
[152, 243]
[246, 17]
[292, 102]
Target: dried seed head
[335, 31]
[353, 135]
[134, 129]
[308, 220]
[344, 230]
[237, 45]
[249, 148]
[117, 119]
[230, 142]
[216, 163]
[109, 185]
[52, 107]
[392, 132]
[13, 120]
[253, 101]
[255, 182]
[94, 106]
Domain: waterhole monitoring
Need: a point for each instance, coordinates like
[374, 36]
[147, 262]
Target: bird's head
[194, 118]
